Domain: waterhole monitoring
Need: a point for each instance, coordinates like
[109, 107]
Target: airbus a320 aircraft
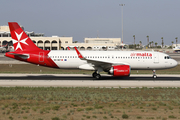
[116, 63]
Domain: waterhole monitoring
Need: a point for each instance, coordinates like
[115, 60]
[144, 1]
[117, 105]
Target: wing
[105, 65]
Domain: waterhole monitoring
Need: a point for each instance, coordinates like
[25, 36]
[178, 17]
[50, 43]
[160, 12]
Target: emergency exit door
[41, 56]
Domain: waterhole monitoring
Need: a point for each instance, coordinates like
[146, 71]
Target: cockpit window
[167, 57]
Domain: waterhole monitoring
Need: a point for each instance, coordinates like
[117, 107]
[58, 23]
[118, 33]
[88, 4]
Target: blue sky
[87, 18]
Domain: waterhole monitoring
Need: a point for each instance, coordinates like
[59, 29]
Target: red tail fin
[68, 48]
[21, 41]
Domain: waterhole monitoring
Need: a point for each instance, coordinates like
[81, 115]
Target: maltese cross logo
[19, 41]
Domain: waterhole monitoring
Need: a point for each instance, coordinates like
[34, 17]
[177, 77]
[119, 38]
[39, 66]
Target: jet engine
[120, 70]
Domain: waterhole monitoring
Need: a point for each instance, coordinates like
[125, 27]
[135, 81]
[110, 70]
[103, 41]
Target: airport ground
[15, 73]
[83, 103]
[46, 94]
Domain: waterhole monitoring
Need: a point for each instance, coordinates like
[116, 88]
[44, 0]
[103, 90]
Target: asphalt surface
[78, 80]
[88, 77]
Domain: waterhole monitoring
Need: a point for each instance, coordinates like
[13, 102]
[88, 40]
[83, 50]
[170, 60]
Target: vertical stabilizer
[21, 41]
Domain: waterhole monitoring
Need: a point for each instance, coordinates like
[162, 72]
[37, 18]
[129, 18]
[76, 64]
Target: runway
[79, 80]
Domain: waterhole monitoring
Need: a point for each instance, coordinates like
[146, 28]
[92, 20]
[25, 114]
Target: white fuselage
[138, 60]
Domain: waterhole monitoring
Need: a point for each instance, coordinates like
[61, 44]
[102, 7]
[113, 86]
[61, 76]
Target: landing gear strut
[96, 75]
[154, 74]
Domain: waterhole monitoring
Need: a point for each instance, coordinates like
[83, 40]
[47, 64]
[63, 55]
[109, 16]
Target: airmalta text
[142, 54]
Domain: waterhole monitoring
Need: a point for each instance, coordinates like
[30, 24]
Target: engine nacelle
[120, 70]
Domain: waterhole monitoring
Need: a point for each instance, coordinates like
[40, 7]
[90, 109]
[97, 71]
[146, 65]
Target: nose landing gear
[154, 74]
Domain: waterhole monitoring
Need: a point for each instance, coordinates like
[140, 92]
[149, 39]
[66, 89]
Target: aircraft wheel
[94, 74]
[154, 76]
[98, 76]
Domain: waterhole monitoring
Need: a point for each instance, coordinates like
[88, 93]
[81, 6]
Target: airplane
[68, 48]
[3, 47]
[115, 63]
[177, 49]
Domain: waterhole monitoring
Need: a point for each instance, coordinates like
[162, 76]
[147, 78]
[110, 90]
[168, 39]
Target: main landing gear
[154, 74]
[96, 75]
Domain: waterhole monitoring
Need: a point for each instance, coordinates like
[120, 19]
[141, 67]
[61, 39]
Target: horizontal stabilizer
[23, 56]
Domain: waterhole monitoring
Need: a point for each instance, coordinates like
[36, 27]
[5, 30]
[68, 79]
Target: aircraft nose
[174, 63]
